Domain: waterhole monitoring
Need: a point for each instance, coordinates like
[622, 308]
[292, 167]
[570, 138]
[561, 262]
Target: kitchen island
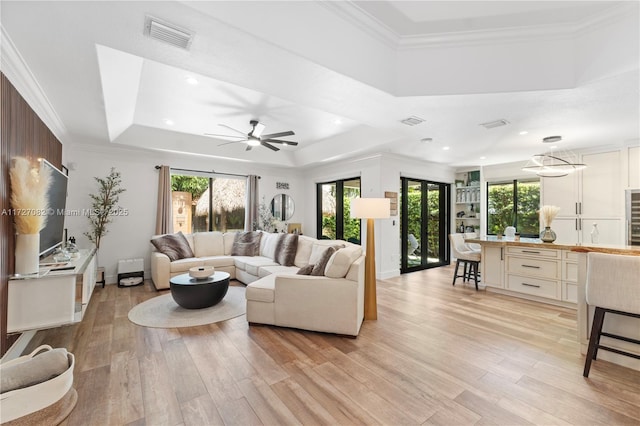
[555, 273]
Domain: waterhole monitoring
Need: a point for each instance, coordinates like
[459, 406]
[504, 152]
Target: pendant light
[555, 162]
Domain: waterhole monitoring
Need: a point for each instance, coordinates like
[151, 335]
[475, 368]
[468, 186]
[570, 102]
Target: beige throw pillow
[340, 262]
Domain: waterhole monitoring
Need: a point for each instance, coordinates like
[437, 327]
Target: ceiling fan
[256, 138]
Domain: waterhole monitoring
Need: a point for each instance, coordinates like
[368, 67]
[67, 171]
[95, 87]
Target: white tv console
[52, 298]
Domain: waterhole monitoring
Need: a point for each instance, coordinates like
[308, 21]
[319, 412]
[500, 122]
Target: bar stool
[612, 287]
[469, 258]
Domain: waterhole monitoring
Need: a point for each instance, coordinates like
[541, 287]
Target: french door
[424, 224]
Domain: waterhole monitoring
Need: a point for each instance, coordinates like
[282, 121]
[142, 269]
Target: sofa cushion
[263, 271]
[175, 246]
[246, 244]
[305, 270]
[183, 265]
[262, 290]
[218, 261]
[340, 262]
[319, 246]
[305, 244]
[244, 262]
[228, 238]
[269, 244]
[286, 249]
[320, 265]
[208, 244]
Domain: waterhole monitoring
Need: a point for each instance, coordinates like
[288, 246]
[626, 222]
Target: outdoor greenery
[196, 185]
[502, 210]
[351, 226]
[104, 206]
[414, 211]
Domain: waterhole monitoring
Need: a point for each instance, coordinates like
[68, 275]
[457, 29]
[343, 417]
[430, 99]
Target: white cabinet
[633, 167]
[594, 194]
[602, 189]
[534, 271]
[55, 299]
[569, 276]
[492, 266]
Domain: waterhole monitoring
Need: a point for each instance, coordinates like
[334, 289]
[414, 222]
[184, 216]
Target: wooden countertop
[537, 243]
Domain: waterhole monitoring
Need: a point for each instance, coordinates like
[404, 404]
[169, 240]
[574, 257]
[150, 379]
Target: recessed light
[524, 132]
[483, 158]
[168, 122]
[337, 121]
[445, 148]
[191, 80]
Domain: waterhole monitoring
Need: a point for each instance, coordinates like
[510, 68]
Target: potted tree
[104, 206]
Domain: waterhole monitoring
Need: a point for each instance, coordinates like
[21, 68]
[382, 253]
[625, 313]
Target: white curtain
[163, 217]
[251, 211]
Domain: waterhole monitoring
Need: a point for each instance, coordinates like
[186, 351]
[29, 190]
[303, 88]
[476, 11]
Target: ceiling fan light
[253, 142]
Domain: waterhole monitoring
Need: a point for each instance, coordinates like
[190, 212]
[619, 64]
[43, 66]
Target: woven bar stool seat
[613, 287]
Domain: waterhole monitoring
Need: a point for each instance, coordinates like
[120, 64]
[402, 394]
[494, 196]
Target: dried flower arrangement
[29, 186]
[547, 214]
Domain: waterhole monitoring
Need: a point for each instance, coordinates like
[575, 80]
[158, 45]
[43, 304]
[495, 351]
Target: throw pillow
[319, 267]
[319, 247]
[339, 264]
[246, 244]
[175, 246]
[305, 270]
[286, 249]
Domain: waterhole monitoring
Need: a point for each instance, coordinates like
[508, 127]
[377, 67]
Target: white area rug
[164, 312]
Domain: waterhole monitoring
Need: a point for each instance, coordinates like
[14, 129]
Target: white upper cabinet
[634, 167]
[561, 192]
[602, 187]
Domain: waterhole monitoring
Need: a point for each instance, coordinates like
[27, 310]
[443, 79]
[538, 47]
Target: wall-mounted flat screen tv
[52, 235]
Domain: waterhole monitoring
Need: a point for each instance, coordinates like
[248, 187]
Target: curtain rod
[206, 171]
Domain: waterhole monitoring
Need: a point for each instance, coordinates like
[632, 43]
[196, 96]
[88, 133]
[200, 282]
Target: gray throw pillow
[286, 249]
[246, 244]
[318, 268]
[305, 270]
[175, 246]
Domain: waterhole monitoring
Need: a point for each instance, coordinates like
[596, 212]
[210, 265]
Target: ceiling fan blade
[249, 147]
[244, 135]
[268, 145]
[279, 141]
[227, 143]
[277, 135]
[225, 136]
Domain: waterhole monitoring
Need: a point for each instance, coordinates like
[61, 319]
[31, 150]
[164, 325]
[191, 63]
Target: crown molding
[16, 70]
[363, 20]
[377, 29]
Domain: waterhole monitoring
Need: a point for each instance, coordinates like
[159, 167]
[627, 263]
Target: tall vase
[547, 235]
[27, 254]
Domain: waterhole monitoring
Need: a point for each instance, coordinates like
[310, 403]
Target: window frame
[339, 184]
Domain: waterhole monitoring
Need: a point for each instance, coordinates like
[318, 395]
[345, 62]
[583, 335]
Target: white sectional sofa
[332, 302]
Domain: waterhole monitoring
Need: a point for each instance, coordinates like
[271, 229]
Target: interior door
[424, 224]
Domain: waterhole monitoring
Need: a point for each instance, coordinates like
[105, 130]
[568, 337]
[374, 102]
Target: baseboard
[385, 275]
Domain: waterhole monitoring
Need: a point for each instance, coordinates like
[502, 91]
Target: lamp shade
[370, 208]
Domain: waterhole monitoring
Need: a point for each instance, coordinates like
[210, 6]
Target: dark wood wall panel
[22, 134]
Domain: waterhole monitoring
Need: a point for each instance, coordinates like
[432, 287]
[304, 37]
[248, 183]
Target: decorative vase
[27, 254]
[547, 235]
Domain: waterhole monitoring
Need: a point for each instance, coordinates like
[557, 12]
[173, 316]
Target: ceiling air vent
[167, 33]
[497, 123]
[412, 121]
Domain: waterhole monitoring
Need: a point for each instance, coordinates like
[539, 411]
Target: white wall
[128, 236]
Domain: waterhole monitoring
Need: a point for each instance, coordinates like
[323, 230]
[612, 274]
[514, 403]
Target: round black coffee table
[192, 293]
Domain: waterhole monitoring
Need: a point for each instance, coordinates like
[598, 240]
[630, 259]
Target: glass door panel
[328, 207]
[425, 224]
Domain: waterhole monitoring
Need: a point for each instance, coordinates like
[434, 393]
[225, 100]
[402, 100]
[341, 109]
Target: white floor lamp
[370, 209]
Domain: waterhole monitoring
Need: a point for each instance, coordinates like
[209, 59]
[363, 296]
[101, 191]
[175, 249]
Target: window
[333, 216]
[194, 210]
[514, 203]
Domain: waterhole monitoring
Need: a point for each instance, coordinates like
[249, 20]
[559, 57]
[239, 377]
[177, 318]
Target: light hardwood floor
[436, 355]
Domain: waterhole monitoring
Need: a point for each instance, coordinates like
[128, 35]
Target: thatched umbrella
[227, 195]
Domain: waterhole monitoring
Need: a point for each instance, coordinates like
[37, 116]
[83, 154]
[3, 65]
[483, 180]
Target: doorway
[424, 224]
